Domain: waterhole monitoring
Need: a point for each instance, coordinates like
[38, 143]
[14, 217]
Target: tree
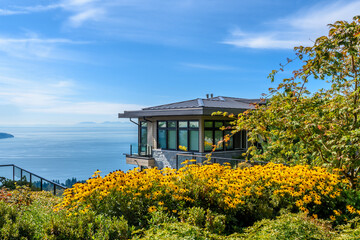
[320, 128]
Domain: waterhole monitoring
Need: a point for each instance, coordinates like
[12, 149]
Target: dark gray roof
[199, 106]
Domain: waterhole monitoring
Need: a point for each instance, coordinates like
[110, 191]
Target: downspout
[134, 122]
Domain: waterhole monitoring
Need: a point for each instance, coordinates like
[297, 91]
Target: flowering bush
[242, 195]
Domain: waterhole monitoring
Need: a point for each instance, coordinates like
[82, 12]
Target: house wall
[152, 127]
[167, 158]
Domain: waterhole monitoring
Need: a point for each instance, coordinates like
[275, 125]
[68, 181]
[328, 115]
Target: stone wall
[164, 158]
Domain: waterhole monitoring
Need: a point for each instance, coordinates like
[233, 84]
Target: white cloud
[300, 28]
[265, 42]
[87, 15]
[91, 108]
[317, 17]
[30, 9]
[5, 12]
[33, 46]
[54, 97]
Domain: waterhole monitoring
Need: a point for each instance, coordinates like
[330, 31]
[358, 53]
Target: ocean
[60, 153]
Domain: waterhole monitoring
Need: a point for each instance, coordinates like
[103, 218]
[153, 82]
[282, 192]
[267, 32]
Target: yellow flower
[351, 209]
[337, 213]
[151, 209]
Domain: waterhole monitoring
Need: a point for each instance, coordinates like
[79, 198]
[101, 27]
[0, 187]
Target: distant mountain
[87, 123]
[6, 135]
[101, 123]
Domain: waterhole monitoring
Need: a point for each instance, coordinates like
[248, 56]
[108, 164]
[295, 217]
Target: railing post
[13, 173]
[54, 189]
[130, 149]
[21, 174]
[177, 162]
[41, 184]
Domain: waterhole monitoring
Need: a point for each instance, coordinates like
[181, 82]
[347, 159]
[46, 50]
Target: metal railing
[35, 181]
[200, 159]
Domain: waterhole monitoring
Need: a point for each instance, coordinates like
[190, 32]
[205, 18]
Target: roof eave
[156, 113]
[203, 111]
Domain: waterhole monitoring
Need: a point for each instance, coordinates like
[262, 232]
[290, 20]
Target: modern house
[162, 129]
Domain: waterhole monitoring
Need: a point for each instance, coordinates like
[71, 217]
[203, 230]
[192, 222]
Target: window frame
[177, 128]
[213, 129]
[141, 129]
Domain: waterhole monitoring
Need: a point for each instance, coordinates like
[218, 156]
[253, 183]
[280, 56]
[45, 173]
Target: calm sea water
[64, 152]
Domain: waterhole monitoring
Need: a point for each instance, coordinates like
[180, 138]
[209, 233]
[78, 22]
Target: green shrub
[289, 226]
[160, 217]
[194, 216]
[87, 226]
[215, 223]
[348, 231]
[178, 231]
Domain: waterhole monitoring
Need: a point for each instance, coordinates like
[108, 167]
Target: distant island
[5, 135]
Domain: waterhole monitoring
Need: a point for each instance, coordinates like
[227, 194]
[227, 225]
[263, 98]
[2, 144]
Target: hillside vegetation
[197, 202]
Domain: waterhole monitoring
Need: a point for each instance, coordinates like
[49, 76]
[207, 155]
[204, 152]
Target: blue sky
[68, 61]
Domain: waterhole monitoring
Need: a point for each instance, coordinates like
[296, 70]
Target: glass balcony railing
[34, 181]
[143, 150]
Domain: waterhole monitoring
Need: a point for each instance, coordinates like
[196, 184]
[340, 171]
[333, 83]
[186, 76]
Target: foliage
[322, 128]
[182, 231]
[349, 231]
[197, 202]
[193, 193]
[289, 226]
[10, 184]
[29, 215]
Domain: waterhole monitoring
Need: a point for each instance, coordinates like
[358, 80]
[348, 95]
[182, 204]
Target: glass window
[208, 140]
[171, 139]
[243, 139]
[218, 124]
[183, 138]
[229, 145]
[162, 138]
[143, 139]
[162, 124]
[208, 124]
[194, 140]
[183, 124]
[213, 135]
[171, 124]
[219, 137]
[172, 134]
[194, 124]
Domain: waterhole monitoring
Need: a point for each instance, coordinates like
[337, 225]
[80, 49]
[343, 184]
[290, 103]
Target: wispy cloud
[34, 46]
[18, 10]
[208, 67]
[5, 12]
[86, 108]
[297, 29]
[81, 10]
[53, 97]
[88, 15]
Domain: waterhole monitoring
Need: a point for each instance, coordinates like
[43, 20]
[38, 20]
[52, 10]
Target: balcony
[143, 158]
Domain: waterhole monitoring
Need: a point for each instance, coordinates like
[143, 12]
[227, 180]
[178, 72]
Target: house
[162, 129]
